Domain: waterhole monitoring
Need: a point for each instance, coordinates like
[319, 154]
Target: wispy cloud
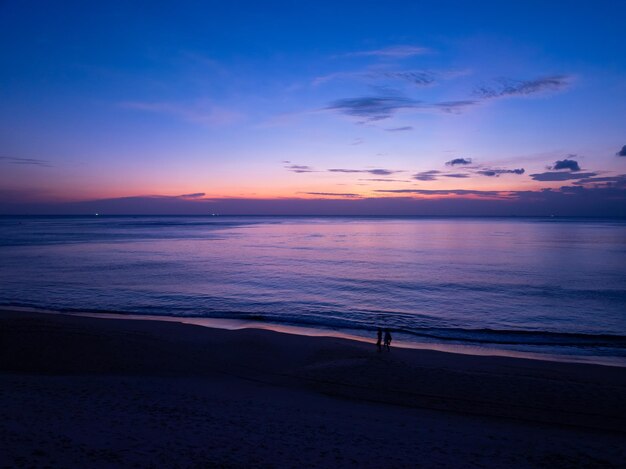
[405, 128]
[25, 161]
[458, 192]
[195, 195]
[418, 78]
[384, 180]
[386, 105]
[376, 172]
[619, 180]
[434, 175]
[561, 176]
[498, 172]
[414, 77]
[606, 182]
[333, 194]
[504, 87]
[372, 108]
[395, 52]
[454, 107]
[459, 161]
[299, 168]
[427, 175]
[622, 152]
[201, 112]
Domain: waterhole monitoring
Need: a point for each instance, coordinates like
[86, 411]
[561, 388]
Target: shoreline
[93, 392]
[242, 324]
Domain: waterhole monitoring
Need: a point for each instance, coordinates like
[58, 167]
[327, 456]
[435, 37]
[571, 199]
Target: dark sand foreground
[87, 392]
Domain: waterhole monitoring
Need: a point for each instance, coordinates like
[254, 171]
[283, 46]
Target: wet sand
[91, 392]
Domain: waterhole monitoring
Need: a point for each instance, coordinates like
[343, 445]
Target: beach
[92, 392]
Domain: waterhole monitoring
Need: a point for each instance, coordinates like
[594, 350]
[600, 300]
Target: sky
[366, 108]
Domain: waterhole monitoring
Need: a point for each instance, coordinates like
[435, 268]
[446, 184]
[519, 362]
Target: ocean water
[547, 286]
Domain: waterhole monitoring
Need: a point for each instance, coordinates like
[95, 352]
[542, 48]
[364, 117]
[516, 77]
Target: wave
[481, 336]
[484, 336]
[522, 337]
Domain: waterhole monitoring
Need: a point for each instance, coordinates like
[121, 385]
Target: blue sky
[254, 101]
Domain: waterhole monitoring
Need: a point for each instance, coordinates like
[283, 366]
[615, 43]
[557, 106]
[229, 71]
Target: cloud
[333, 194]
[400, 129]
[458, 192]
[382, 172]
[487, 172]
[397, 52]
[508, 87]
[566, 164]
[622, 152]
[418, 77]
[25, 161]
[357, 141]
[195, 195]
[608, 181]
[560, 176]
[376, 172]
[384, 180]
[454, 107]
[298, 168]
[200, 112]
[459, 161]
[434, 175]
[415, 77]
[505, 87]
[498, 172]
[372, 108]
[427, 175]
[375, 108]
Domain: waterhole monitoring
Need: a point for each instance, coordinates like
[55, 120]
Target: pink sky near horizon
[282, 103]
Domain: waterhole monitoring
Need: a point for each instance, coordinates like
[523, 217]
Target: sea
[552, 288]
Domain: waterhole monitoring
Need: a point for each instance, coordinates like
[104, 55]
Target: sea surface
[545, 286]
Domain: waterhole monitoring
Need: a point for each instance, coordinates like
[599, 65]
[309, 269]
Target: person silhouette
[379, 342]
[387, 339]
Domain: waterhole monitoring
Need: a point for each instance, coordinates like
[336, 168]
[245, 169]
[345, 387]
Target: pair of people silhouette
[387, 340]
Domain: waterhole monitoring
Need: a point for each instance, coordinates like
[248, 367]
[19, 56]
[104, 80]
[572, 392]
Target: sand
[91, 392]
